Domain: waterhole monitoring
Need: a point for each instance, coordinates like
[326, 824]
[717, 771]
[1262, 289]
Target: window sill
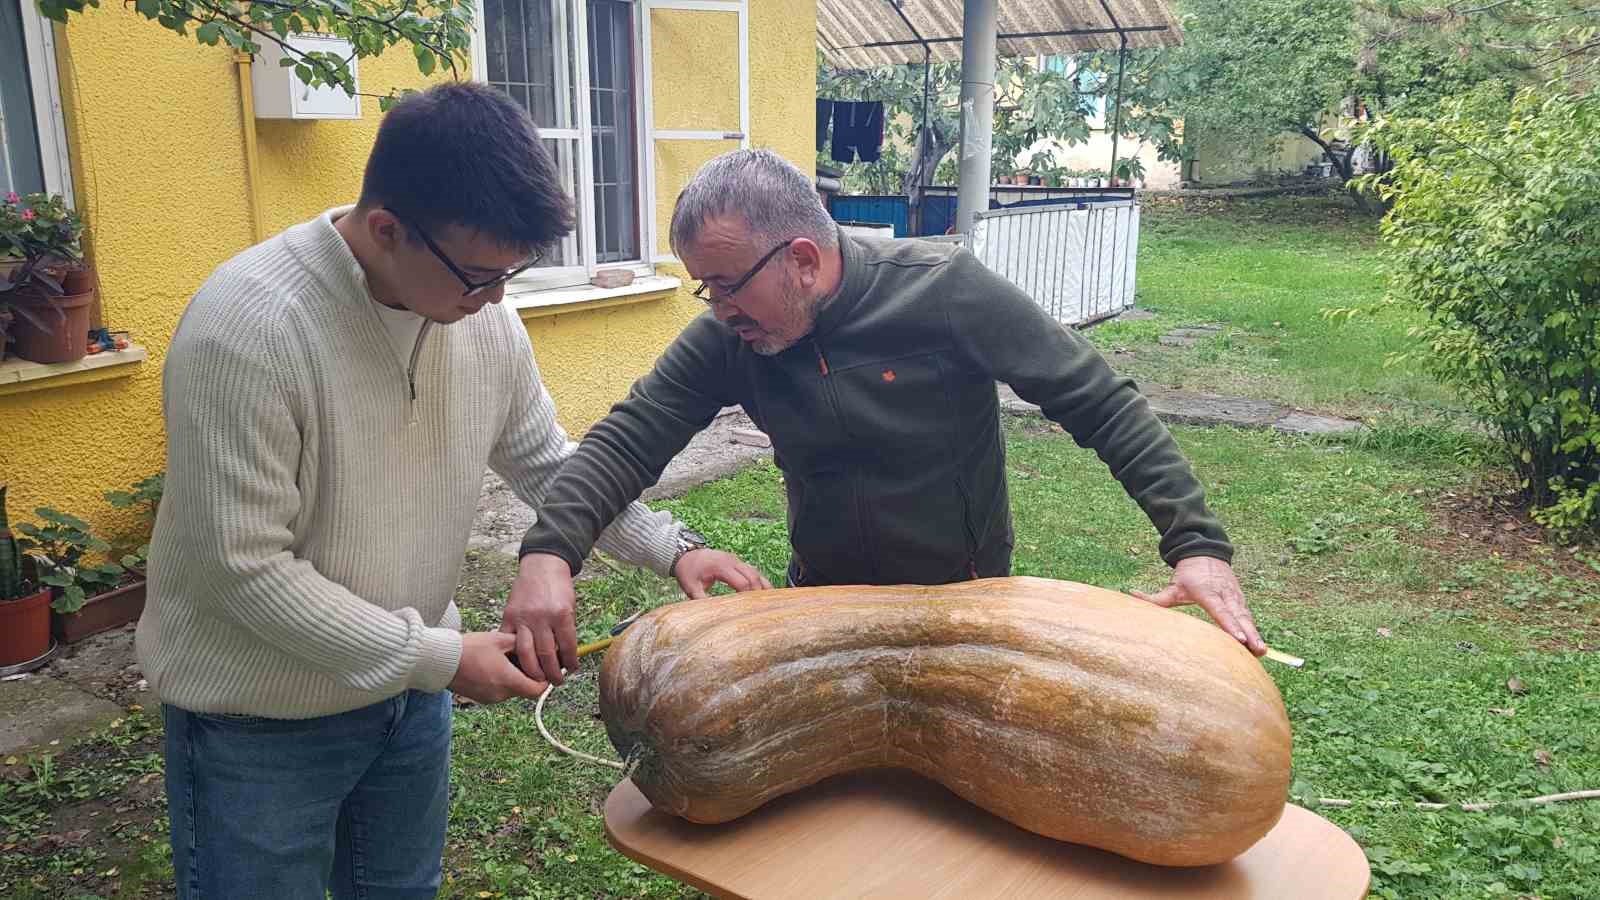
[19, 375]
[534, 303]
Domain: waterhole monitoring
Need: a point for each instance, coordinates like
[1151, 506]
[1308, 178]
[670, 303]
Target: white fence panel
[1077, 260]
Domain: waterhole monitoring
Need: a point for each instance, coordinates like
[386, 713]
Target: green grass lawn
[1451, 652]
[1267, 271]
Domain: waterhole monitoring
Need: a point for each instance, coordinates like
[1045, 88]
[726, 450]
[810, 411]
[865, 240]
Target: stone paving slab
[39, 709]
[1196, 408]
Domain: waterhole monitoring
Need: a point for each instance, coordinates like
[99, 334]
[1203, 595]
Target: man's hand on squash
[1211, 584]
[698, 570]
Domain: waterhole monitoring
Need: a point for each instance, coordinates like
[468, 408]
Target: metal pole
[914, 210]
[1122, 64]
[916, 190]
[978, 27]
[927, 82]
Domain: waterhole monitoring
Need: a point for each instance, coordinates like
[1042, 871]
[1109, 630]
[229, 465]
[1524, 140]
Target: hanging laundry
[824, 115]
[857, 131]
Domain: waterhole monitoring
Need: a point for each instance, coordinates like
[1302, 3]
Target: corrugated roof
[859, 34]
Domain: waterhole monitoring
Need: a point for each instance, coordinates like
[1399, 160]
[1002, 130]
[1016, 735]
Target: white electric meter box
[279, 92]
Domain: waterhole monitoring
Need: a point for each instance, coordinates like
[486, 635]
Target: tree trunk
[931, 149]
[1342, 165]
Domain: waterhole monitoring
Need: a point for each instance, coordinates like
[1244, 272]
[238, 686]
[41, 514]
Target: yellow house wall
[1217, 162]
[154, 126]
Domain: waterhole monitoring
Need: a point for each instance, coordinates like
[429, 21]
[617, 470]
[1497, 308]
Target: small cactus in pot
[13, 586]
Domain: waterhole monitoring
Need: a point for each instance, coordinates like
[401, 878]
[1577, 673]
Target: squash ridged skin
[1074, 712]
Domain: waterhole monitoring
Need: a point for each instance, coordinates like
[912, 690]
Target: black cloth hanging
[824, 116]
[857, 131]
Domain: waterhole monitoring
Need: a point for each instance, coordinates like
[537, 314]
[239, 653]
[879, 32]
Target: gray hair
[776, 200]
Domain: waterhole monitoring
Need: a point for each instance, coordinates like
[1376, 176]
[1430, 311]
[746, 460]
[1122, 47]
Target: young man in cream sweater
[332, 398]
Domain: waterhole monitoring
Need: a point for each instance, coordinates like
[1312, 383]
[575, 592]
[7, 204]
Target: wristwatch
[688, 539]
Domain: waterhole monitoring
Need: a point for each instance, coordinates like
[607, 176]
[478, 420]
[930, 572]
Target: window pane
[565, 153]
[615, 143]
[527, 48]
[21, 167]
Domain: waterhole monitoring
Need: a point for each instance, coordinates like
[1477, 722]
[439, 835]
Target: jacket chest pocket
[900, 406]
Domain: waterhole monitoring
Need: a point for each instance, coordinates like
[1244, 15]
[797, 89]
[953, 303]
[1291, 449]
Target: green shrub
[1495, 234]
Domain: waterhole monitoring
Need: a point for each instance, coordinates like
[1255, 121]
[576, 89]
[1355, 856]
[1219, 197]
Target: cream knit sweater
[319, 496]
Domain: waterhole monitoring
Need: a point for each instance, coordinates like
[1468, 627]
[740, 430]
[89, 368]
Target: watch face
[693, 537]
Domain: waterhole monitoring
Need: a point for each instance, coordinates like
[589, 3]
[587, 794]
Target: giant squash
[1078, 713]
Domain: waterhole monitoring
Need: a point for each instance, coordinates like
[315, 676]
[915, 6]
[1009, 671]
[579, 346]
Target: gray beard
[802, 320]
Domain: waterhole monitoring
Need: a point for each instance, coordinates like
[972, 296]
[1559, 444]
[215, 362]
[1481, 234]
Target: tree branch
[1467, 12]
[329, 73]
[1570, 53]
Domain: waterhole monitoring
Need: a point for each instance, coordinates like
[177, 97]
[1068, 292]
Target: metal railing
[1077, 260]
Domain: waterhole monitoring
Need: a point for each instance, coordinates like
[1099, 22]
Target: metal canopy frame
[860, 34]
[1004, 35]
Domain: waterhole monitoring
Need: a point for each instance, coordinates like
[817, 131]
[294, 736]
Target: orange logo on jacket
[888, 375]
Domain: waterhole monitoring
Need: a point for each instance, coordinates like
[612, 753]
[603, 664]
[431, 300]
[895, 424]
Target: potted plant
[88, 597]
[45, 282]
[1041, 163]
[1129, 170]
[1002, 168]
[24, 604]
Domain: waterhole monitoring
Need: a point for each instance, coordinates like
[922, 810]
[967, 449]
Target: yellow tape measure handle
[586, 649]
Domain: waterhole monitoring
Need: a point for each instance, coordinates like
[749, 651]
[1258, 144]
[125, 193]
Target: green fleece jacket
[885, 423]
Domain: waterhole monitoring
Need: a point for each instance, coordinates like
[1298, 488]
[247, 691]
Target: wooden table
[893, 834]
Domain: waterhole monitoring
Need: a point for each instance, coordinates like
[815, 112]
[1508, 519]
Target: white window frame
[652, 134]
[38, 39]
[582, 244]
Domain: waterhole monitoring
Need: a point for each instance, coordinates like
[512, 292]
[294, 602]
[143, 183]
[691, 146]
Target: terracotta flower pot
[65, 335]
[25, 628]
[78, 280]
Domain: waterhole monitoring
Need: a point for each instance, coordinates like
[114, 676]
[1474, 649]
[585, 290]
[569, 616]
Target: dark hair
[464, 153]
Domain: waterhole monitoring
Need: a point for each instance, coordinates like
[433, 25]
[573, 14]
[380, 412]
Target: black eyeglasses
[703, 290]
[472, 287]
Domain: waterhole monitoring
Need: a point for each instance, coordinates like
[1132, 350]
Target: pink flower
[27, 215]
[13, 198]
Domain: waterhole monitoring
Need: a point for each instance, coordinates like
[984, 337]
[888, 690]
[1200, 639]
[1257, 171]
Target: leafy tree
[439, 32]
[1554, 41]
[1252, 70]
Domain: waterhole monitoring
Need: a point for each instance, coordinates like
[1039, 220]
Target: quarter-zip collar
[853, 284]
[326, 252]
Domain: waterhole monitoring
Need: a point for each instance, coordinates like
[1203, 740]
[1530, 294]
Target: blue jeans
[285, 809]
